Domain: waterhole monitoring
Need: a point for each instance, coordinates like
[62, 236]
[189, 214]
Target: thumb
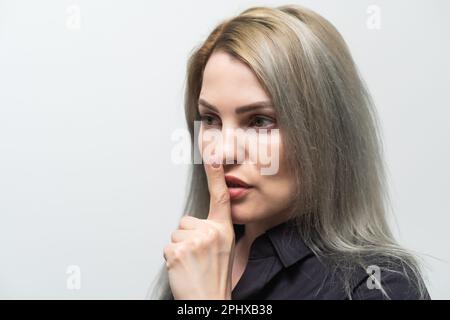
[219, 205]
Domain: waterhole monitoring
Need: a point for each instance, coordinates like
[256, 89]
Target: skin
[200, 257]
[204, 260]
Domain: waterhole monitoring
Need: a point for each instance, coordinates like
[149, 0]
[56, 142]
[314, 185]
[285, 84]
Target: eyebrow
[241, 109]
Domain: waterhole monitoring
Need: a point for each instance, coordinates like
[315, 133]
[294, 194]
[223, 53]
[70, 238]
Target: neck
[255, 229]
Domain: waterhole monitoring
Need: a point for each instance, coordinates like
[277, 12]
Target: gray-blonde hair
[330, 129]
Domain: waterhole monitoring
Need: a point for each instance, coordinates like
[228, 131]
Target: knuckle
[178, 253]
[173, 236]
[167, 248]
[173, 253]
[212, 234]
[221, 198]
[185, 220]
[167, 251]
[188, 219]
[197, 242]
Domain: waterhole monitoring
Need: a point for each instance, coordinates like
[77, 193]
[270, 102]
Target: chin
[241, 215]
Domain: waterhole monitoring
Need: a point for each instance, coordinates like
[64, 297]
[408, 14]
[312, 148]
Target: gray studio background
[92, 90]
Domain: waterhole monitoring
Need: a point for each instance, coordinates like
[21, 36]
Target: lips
[237, 187]
[233, 182]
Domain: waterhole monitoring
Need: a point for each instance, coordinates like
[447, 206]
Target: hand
[199, 259]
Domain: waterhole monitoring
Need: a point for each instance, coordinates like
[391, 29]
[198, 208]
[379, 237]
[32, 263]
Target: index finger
[219, 206]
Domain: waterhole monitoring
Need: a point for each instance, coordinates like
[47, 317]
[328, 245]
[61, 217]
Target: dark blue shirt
[281, 266]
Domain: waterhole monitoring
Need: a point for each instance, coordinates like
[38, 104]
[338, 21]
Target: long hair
[331, 132]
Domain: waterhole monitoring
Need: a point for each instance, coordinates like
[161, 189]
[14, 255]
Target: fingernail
[215, 161]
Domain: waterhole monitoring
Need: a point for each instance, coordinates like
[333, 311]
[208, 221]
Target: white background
[86, 116]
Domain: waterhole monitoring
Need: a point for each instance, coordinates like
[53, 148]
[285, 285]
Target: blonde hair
[330, 126]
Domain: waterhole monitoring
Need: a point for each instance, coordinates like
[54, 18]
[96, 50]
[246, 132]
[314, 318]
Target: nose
[230, 147]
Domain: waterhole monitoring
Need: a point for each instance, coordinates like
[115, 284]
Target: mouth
[237, 187]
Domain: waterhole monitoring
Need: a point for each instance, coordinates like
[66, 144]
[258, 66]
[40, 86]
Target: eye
[209, 120]
[262, 122]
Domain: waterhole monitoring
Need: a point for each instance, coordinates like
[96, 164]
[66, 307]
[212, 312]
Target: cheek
[274, 192]
[272, 197]
[201, 143]
[207, 141]
[266, 151]
[277, 188]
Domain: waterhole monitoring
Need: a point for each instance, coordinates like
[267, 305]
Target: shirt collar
[282, 241]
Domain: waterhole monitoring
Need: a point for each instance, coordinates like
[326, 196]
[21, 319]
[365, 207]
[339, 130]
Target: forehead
[228, 82]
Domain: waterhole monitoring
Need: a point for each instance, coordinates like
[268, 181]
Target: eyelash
[205, 117]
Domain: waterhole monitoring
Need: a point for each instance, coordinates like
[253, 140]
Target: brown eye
[209, 120]
[262, 122]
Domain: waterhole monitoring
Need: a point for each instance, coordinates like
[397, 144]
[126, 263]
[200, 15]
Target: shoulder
[382, 279]
[389, 281]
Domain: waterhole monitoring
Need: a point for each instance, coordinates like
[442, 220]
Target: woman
[314, 229]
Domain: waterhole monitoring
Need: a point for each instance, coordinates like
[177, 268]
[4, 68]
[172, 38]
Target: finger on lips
[219, 194]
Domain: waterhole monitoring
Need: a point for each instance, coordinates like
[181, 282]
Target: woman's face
[228, 84]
